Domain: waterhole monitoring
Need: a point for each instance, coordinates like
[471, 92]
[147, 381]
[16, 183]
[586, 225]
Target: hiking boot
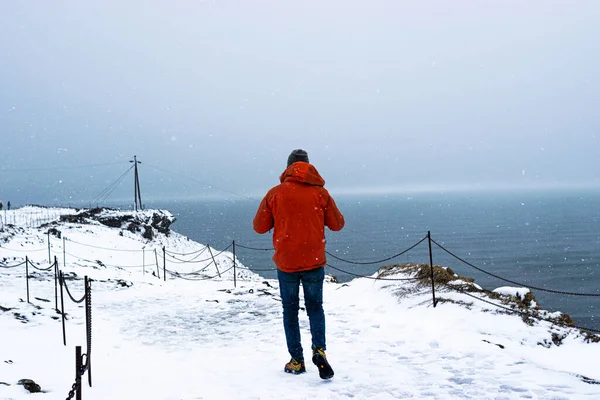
[295, 367]
[320, 360]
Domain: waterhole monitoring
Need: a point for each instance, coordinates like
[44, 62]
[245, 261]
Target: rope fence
[40, 269]
[181, 261]
[521, 313]
[193, 272]
[259, 269]
[100, 263]
[168, 256]
[206, 278]
[23, 250]
[190, 261]
[254, 248]
[171, 257]
[13, 266]
[104, 248]
[378, 261]
[372, 277]
[511, 281]
[187, 254]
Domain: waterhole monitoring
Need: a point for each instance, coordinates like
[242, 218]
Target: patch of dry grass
[526, 305]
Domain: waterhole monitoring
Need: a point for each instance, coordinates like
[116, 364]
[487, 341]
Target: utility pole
[137, 196]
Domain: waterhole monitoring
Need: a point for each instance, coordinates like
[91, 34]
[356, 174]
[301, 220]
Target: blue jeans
[289, 288]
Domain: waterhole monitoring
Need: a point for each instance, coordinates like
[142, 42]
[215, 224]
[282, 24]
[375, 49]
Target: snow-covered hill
[197, 336]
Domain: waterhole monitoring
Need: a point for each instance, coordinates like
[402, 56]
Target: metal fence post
[78, 372]
[164, 264]
[157, 267]
[234, 273]
[27, 275]
[62, 306]
[55, 284]
[49, 257]
[431, 267]
[214, 261]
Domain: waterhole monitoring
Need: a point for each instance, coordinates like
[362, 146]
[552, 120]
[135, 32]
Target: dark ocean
[547, 239]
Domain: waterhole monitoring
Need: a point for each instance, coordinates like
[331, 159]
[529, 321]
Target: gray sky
[383, 94]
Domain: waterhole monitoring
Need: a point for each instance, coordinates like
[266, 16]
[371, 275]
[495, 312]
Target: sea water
[547, 239]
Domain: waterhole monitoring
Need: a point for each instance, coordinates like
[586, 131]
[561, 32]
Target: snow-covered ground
[199, 338]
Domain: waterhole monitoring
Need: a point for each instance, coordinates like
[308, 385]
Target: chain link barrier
[64, 282]
[88, 328]
[81, 367]
[77, 385]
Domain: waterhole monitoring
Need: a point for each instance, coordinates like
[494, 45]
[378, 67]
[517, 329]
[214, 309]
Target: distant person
[299, 208]
[1, 205]
[8, 205]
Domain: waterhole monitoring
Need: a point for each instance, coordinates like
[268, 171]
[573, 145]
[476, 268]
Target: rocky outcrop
[30, 385]
[143, 222]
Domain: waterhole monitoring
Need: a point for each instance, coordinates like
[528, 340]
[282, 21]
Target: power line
[59, 168]
[201, 183]
[103, 195]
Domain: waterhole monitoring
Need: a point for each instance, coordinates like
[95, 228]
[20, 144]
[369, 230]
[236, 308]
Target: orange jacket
[299, 209]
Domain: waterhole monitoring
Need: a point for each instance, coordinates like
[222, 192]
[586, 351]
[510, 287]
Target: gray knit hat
[297, 155]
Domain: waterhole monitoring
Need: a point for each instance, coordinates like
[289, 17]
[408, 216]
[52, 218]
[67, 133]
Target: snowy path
[207, 336]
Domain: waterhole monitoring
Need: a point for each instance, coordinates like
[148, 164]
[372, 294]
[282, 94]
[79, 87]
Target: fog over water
[213, 95]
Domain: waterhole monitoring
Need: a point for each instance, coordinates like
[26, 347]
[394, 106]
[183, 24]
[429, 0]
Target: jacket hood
[302, 172]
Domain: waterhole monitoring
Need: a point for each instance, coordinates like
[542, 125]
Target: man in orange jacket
[299, 208]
